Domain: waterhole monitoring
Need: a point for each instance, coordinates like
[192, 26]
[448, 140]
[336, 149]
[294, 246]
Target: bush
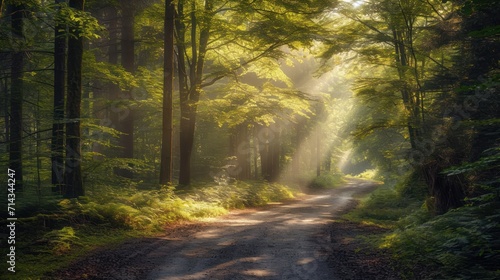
[151, 209]
[460, 244]
[243, 194]
[61, 240]
[327, 181]
[452, 242]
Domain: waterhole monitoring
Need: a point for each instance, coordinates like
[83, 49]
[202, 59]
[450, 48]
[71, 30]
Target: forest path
[282, 242]
[292, 240]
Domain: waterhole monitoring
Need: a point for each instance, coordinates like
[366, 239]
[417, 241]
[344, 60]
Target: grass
[64, 230]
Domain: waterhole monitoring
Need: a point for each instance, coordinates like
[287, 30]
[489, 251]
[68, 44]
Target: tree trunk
[269, 138]
[16, 98]
[109, 92]
[168, 74]
[184, 151]
[72, 173]
[328, 160]
[318, 153]
[126, 119]
[189, 97]
[274, 157]
[401, 64]
[447, 191]
[57, 145]
[255, 147]
[240, 148]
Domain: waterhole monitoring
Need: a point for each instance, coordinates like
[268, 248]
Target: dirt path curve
[282, 242]
[287, 241]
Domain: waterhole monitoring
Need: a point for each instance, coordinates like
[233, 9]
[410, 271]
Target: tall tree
[240, 144]
[125, 123]
[16, 98]
[190, 94]
[258, 30]
[168, 75]
[57, 145]
[269, 147]
[73, 184]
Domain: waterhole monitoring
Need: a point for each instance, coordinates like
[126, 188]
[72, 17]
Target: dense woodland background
[125, 115]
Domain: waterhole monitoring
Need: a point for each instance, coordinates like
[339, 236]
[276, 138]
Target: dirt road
[287, 241]
[283, 242]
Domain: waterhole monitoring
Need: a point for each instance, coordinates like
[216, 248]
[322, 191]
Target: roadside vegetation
[68, 229]
[460, 244]
[327, 181]
[105, 102]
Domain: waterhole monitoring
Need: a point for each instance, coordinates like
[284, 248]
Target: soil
[300, 239]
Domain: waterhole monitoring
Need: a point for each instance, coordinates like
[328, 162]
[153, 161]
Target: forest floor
[301, 239]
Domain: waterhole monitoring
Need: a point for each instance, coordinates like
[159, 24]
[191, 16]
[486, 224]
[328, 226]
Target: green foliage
[370, 174]
[445, 245]
[491, 160]
[70, 227]
[149, 210]
[137, 210]
[62, 240]
[243, 194]
[247, 103]
[79, 22]
[453, 242]
[327, 181]
[384, 207]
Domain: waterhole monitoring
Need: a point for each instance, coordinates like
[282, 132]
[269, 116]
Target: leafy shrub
[61, 240]
[460, 244]
[385, 206]
[151, 209]
[453, 241]
[327, 181]
[243, 194]
[370, 174]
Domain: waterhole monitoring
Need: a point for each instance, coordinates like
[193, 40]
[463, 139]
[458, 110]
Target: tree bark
[168, 74]
[73, 183]
[269, 138]
[184, 150]
[240, 148]
[126, 119]
[318, 153]
[108, 91]
[401, 64]
[57, 145]
[275, 148]
[1, 7]
[189, 96]
[16, 98]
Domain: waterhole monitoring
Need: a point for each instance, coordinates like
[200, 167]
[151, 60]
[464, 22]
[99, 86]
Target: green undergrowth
[242, 194]
[386, 205]
[39, 253]
[70, 228]
[463, 243]
[460, 244]
[327, 181]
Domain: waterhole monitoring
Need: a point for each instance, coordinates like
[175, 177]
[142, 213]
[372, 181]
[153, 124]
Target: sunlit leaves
[79, 22]
[95, 70]
[246, 103]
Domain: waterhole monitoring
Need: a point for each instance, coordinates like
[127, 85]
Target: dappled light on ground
[282, 242]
